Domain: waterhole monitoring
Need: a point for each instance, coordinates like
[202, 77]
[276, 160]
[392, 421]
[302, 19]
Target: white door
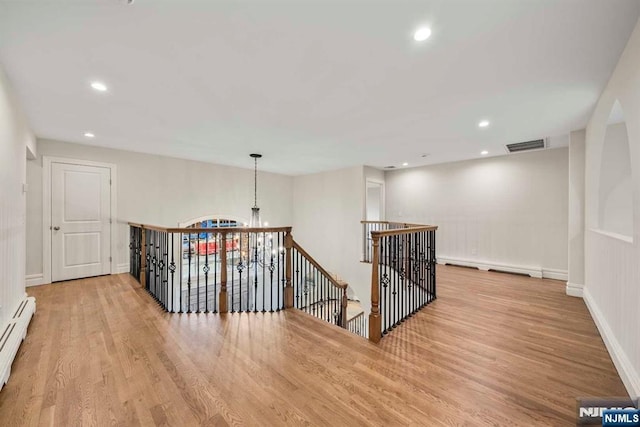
[80, 221]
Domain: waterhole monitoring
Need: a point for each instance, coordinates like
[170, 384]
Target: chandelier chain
[255, 182]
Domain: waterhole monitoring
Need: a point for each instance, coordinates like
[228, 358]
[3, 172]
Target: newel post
[288, 262]
[222, 297]
[375, 325]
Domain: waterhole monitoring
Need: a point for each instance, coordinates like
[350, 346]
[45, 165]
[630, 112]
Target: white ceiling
[312, 84]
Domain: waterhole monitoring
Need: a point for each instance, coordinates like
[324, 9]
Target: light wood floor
[494, 349]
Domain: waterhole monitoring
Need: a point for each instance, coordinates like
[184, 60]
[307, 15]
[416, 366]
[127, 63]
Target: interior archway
[615, 195]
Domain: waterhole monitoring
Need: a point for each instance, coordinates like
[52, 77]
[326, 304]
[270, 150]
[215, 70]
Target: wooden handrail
[413, 229]
[335, 282]
[212, 229]
[403, 224]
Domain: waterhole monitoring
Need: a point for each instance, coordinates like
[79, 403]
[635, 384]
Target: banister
[335, 282]
[403, 224]
[397, 231]
[176, 272]
[212, 230]
[403, 280]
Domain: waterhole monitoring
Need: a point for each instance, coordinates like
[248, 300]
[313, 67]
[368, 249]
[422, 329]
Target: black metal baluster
[392, 323]
[163, 273]
[240, 267]
[206, 273]
[384, 280]
[327, 313]
[189, 255]
[251, 285]
[281, 272]
[172, 270]
[181, 268]
[270, 268]
[217, 240]
[197, 270]
[259, 258]
[296, 265]
[433, 264]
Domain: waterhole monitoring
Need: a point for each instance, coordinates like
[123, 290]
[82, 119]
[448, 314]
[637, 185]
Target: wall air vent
[526, 146]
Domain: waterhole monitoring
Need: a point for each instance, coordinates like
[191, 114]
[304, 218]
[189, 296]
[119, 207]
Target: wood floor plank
[493, 349]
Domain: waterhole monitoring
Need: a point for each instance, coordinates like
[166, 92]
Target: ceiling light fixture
[422, 34]
[255, 210]
[484, 153]
[89, 135]
[405, 164]
[99, 86]
[483, 124]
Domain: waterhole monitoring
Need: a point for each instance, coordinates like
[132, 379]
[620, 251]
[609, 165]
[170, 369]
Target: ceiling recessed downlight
[405, 164]
[483, 123]
[484, 152]
[422, 34]
[89, 135]
[99, 86]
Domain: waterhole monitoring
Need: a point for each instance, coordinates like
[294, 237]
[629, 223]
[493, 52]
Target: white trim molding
[123, 268]
[34, 279]
[12, 334]
[574, 289]
[552, 273]
[628, 373]
[617, 236]
[537, 272]
[46, 209]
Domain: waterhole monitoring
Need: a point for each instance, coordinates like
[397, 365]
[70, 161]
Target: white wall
[328, 208]
[500, 212]
[612, 276]
[575, 282]
[15, 137]
[162, 191]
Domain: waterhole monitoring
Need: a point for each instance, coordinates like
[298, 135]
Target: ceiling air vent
[389, 167]
[536, 144]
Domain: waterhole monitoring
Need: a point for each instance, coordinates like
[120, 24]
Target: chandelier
[262, 249]
[255, 210]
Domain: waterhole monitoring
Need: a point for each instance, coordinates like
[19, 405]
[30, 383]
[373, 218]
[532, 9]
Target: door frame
[46, 210]
[383, 213]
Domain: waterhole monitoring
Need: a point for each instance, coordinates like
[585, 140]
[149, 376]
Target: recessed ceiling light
[483, 123]
[484, 153]
[405, 164]
[99, 86]
[422, 34]
[89, 135]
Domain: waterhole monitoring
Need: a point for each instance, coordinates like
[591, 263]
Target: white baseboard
[629, 375]
[34, 279]
[537, 272]
[122, 268]
[574, 289]
[12, 334]
[552, 273]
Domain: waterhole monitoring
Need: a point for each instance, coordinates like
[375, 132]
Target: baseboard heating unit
[12, 335]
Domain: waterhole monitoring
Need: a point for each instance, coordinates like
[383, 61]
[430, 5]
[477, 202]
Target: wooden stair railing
[233, 269]
[317, 291]
[403, 276]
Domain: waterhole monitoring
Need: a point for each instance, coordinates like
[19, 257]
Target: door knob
[56, 228]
